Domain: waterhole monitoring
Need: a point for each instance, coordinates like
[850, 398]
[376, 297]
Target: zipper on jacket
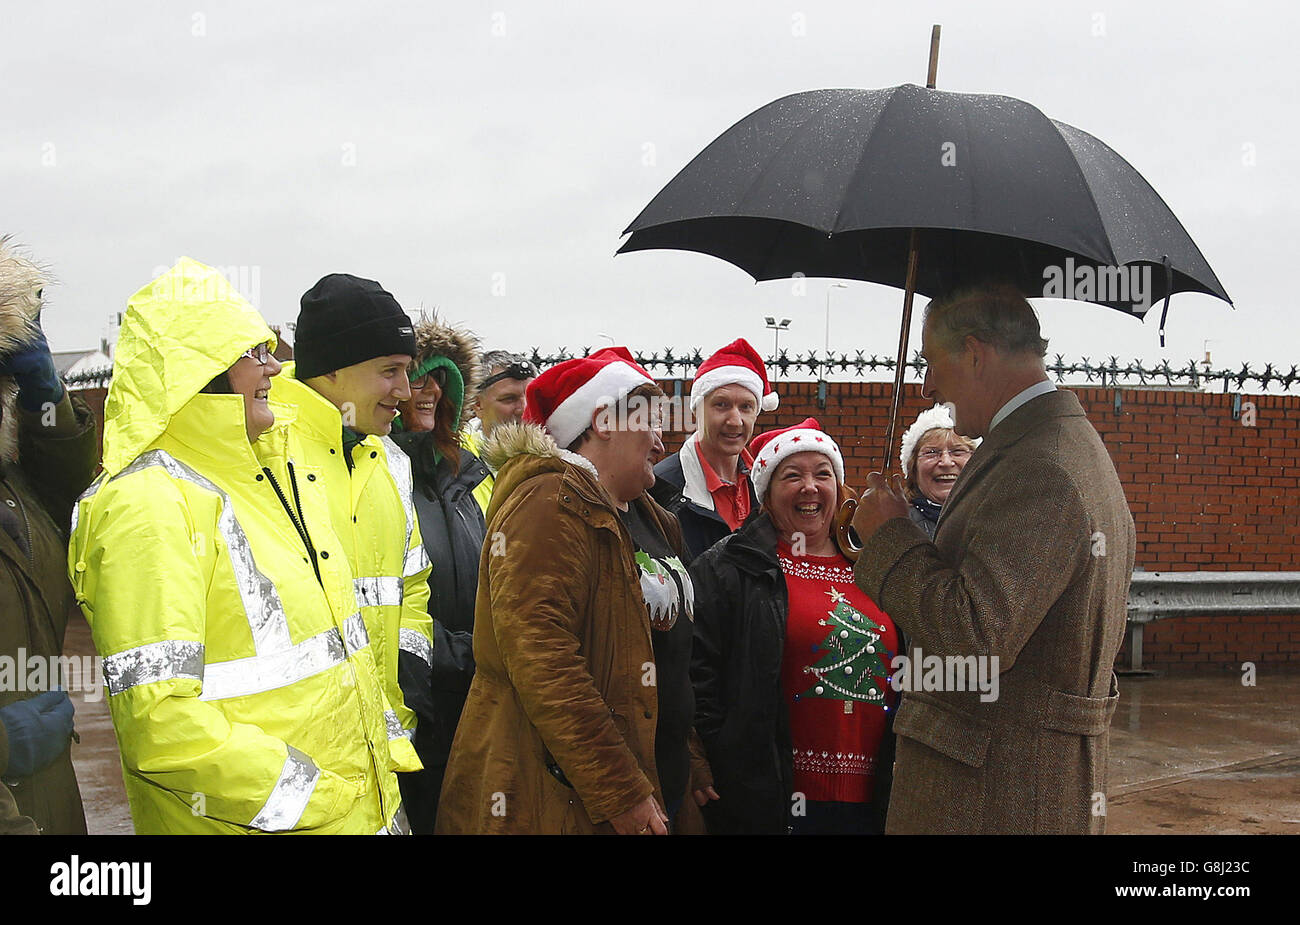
[299, 522]
[27, 528]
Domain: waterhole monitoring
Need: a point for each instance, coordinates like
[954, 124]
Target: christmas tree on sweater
[852, 661]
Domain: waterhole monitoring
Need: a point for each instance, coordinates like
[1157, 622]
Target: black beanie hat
[347, 320]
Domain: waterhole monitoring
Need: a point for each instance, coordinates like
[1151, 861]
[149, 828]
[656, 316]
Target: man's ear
[602, 422]
[975, 353]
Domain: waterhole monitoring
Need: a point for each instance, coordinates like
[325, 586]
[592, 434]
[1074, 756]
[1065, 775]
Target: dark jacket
[740, 711]
[453, 531]
[688, 500]
[35, 596]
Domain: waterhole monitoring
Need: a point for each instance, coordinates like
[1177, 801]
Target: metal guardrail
[1160, 595]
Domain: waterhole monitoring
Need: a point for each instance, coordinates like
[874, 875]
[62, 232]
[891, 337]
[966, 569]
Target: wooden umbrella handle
[846, 538]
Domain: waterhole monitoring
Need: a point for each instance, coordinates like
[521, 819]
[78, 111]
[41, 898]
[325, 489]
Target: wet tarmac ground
[1188, 755]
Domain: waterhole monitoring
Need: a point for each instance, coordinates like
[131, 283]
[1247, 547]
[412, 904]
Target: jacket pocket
[956, 735]
[1085, 716]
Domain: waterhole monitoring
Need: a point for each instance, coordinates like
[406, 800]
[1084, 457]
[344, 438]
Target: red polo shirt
[731, 501]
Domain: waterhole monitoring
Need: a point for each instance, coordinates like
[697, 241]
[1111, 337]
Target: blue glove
[39, 730]
[33, 369]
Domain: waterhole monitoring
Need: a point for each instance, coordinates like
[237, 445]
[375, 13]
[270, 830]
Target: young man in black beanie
[353, 344]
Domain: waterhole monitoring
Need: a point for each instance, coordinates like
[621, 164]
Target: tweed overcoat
[1031, 563]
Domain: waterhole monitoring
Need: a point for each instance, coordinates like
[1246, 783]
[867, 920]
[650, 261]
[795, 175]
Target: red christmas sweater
[838, 647]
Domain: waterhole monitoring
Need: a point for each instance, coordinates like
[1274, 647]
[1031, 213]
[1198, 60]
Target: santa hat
[771, 448]
[735, 364]
[563, 398]
[940, 416]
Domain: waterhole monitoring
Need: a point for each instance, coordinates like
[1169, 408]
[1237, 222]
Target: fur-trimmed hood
[522, 451]
[434, 338]
[22, 282]
[508, 441]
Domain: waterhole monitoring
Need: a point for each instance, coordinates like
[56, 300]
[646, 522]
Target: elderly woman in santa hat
[707, 483]
[791, 660]
[931, 456]
[564, 729]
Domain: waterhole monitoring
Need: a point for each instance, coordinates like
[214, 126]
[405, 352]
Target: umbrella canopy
[829, 183]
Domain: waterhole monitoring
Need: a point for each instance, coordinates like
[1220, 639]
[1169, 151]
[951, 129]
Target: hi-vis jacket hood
[179, 332]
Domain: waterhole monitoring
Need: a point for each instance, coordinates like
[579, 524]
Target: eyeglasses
[521, 371]
[261, 353]
[439, 376]
[934, 454]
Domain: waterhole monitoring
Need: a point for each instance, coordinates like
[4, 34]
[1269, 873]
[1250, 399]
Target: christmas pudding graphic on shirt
[667, 589]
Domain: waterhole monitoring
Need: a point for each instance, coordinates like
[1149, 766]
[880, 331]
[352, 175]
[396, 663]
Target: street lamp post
[828, 322]
[822, 387]
[776, 329]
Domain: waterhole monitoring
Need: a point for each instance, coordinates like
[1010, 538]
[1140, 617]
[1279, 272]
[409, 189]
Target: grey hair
[493, 361]
[997, 315]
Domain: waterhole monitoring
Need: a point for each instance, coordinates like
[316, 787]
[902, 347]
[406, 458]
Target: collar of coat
[517, 452]
[694, 485]
[434, 475]
[1033, 414]
[312, 412]
[752, 548]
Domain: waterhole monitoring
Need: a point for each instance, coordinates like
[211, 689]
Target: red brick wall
[1207, 492]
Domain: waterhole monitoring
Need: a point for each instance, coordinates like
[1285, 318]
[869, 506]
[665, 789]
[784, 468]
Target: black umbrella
[829, 183]
[966, 188]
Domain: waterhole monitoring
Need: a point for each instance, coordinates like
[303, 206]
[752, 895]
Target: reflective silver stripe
[417, 560]
[399, 467]
[409, 640]
[85, 496]
[378, 592]
[395, 730]
[290, 795]
[354, 633]
[266, 617]
[156, 661]
[400, 825]
[243, 676]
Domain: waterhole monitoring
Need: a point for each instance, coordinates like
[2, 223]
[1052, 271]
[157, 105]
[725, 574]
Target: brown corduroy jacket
[564, 656]
[1031, 563]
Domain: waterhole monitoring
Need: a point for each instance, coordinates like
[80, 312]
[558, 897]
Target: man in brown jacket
[558, 731]
[1030, 565]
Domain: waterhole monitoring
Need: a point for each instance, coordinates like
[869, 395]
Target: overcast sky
[483, 157]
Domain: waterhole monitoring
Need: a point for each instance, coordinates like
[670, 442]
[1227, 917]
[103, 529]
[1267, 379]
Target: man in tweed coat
[1030, 564]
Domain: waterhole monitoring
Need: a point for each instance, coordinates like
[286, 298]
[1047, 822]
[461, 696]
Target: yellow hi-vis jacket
[373, 513]
[243, 688]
